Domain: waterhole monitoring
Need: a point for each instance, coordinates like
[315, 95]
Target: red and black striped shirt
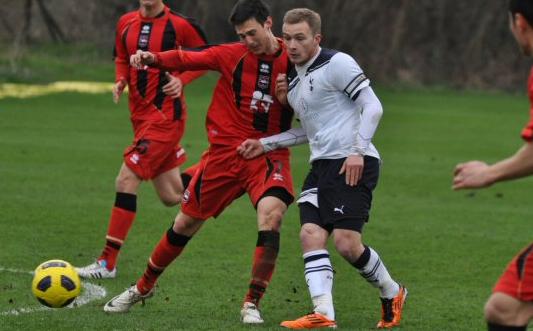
[243, 104]
[166, 31]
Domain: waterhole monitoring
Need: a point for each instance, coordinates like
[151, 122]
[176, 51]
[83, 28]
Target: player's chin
[296, 59]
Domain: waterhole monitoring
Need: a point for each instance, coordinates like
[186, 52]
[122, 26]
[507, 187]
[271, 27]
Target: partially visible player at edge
[339, 113]
[242, 106]
[510, 307]
[158, 115]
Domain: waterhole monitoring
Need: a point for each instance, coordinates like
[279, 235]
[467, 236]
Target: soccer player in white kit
[339, 114]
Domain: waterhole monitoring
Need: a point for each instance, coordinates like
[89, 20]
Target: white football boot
[250, 314]
[96, 270]
[125, 300]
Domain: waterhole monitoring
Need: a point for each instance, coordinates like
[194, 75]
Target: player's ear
[521, 22]
[268, 23]
[318, 38]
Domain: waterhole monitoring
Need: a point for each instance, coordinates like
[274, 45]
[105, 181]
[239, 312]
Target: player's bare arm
[118, 88]
[282, 88]
[477, 174]
[174, 87]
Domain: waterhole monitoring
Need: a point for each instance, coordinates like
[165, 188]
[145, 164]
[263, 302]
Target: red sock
[169, 248]
[265, 256]
[122, 217]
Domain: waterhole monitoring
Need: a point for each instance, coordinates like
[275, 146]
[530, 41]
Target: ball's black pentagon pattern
[45, 283]
[68, 302]
[67, 283]
[42, 301]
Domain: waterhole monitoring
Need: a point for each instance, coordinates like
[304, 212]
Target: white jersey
[322, 94]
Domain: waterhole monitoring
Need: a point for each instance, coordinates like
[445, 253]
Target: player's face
[254, 35]
[302, 44]
[150, 3]
[520, 29]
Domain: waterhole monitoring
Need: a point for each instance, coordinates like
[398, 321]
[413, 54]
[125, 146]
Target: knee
[126, 182]
[272, 219]
[308, 233]
[349, 247]
[313, 237]
[499, 312]
[186, 225]
[170, 200]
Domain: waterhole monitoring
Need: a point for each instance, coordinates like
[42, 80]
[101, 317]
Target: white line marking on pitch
[90, 293]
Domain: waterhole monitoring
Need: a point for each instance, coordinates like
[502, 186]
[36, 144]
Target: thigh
[268, 175]
[308, 202]
[347, 207]
[168, 184]
[155, 149]
[213, 186]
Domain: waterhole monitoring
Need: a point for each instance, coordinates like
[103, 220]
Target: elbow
[376, 112]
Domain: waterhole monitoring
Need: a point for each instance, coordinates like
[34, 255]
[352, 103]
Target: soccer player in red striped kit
[158, 114]
[510, 307]
[243, 107]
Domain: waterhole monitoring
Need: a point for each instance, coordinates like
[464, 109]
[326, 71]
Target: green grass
[60, 155]
[45, 63]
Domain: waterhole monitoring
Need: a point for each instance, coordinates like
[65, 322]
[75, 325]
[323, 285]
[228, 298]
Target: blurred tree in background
[415, 42]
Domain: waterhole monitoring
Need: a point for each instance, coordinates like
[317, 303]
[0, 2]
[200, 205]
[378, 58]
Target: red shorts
[517, 280]
[155, 148]
[222, 176]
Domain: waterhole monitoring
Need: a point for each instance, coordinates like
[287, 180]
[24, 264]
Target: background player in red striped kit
[158, 114]
[510, 307]
[243, 107]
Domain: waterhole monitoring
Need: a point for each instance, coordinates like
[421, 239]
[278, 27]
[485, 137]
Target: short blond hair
[298, 15]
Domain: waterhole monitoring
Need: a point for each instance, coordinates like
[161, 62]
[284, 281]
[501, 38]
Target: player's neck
[152, 11]
[273, 46]
[311, 59]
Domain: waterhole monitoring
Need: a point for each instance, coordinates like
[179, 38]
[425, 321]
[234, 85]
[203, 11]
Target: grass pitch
[60, 154]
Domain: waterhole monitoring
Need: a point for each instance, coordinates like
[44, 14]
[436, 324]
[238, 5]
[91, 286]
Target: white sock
[319, 277]
[375, 272]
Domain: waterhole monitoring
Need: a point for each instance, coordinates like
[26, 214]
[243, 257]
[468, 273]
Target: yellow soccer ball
[56, 283]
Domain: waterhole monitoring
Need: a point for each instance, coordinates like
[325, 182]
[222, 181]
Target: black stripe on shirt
[168, 43]
[237, 83]
[193, 23]
[143, 43]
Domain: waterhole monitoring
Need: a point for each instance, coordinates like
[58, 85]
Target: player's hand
[141, 59]
[353, 166]
[250, 148]
[473, 174]
[174, 86]
[118, 88]
[282, 87]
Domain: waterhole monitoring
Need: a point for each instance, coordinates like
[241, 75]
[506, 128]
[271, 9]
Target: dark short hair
[523, 7]
[297, 15]
[248, 9]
